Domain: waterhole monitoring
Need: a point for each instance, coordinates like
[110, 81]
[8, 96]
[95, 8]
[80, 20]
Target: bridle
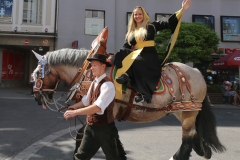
[39, 84]
[39, 81]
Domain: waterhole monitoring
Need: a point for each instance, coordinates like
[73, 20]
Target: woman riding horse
[144, 72]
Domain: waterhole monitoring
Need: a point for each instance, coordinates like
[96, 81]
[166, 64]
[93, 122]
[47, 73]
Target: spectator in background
[226, 89]
[32, 82]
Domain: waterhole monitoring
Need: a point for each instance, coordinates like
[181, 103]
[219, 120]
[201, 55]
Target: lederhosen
[100, 131]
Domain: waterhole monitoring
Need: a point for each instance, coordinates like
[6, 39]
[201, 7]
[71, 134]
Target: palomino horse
[184, 96]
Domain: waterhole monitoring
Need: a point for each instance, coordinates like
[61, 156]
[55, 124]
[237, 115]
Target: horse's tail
[121, 151]
[206, 127]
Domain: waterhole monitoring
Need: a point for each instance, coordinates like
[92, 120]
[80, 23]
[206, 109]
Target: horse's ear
[101, 38]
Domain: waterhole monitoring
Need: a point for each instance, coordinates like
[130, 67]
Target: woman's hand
[186, 4]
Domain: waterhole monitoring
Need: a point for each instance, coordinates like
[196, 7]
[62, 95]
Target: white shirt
[107, 94]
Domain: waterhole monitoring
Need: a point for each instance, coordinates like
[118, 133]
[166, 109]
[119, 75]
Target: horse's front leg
[187, 118]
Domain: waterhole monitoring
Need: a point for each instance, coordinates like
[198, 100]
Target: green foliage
[214, 88]
[195, 42]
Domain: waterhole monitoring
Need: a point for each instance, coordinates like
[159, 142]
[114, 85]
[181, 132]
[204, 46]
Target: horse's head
[69, 60]
[46, 83]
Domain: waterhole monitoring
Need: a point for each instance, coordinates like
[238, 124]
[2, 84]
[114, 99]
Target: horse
[191, 108]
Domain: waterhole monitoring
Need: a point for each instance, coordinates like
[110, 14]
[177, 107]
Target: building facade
[75, 19]
[25, 25]
[76, 23]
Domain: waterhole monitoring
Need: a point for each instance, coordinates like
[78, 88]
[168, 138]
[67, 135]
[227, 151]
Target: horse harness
[172, 106]
[39, 81]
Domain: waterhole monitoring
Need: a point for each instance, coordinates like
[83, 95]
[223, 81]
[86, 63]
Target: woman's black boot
[123, 79]
[141, 98]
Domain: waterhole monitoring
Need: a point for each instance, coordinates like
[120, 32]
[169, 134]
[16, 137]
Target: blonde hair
[142, 31]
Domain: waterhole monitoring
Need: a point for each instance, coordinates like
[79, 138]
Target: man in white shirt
[100, 130]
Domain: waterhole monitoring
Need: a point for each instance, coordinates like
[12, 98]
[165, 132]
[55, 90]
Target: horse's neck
[66, 73]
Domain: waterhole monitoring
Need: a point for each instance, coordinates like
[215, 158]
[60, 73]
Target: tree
[195, 42]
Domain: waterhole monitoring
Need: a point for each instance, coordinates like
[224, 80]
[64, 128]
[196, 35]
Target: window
[230, 28]
[6, 11]
[162, 16]
[94, 22]
[208, 20]
[32, 11]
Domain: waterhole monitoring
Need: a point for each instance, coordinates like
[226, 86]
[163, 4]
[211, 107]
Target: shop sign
[226, 50]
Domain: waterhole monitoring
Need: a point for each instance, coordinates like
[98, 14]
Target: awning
[229, 61]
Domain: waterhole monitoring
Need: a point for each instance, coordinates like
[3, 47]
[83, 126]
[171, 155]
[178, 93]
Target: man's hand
[69, 114]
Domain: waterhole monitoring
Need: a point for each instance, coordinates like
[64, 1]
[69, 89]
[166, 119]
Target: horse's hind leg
[185, 149]
[188, 131]
[199, 145]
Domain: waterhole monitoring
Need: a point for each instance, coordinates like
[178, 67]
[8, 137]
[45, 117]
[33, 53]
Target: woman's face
[138, 16]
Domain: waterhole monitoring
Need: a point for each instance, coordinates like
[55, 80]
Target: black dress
[145, 71]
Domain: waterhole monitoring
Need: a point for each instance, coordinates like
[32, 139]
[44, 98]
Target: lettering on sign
[237, 58]
[218, 63]
[10, 69]
[226, 50]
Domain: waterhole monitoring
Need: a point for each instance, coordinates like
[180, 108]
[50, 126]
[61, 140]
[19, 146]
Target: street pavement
[28, 132]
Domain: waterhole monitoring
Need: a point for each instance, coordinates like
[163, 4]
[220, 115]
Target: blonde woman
[145, 71]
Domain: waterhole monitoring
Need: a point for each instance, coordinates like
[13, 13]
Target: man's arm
[81, 111]
[76, 105]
